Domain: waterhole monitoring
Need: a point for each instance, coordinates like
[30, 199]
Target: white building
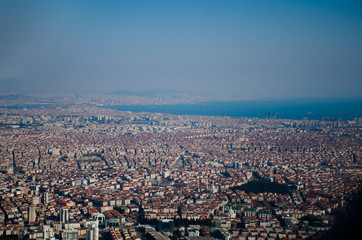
[92, 231]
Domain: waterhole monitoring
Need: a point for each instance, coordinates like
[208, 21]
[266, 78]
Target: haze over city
[180, 120]
[248, 49]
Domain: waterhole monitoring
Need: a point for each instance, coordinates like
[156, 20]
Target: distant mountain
[37, 86]
[162, 93]
[148, 93]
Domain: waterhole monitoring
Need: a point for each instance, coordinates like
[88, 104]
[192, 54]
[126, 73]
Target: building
[100, 217]
[46, 198]
[36, 200]
[193, 231]
[63, 215]
[32, 214]
[48, 232]
[70, 234]
[113, 222]
[92, 229]
[166, 225]
[237, 165]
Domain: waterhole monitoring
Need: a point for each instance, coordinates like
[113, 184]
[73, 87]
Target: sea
[311, 109]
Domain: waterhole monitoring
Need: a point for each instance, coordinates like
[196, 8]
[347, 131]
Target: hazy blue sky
[247, 48]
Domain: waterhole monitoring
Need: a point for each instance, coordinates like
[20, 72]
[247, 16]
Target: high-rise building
[46, 198]
[63, 215]
[237, 165]
[32, 214]
[92, 229]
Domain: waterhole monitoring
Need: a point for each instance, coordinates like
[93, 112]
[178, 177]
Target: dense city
[95, 173]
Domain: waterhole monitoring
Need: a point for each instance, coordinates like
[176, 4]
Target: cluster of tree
[260, 186]
[178, 222]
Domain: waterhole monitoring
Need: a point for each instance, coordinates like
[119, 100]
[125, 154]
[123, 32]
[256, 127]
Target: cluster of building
[75, 173]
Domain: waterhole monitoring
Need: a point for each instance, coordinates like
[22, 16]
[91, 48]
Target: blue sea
[325, 109]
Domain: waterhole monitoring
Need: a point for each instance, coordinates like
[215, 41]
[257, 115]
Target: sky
[251, 49]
